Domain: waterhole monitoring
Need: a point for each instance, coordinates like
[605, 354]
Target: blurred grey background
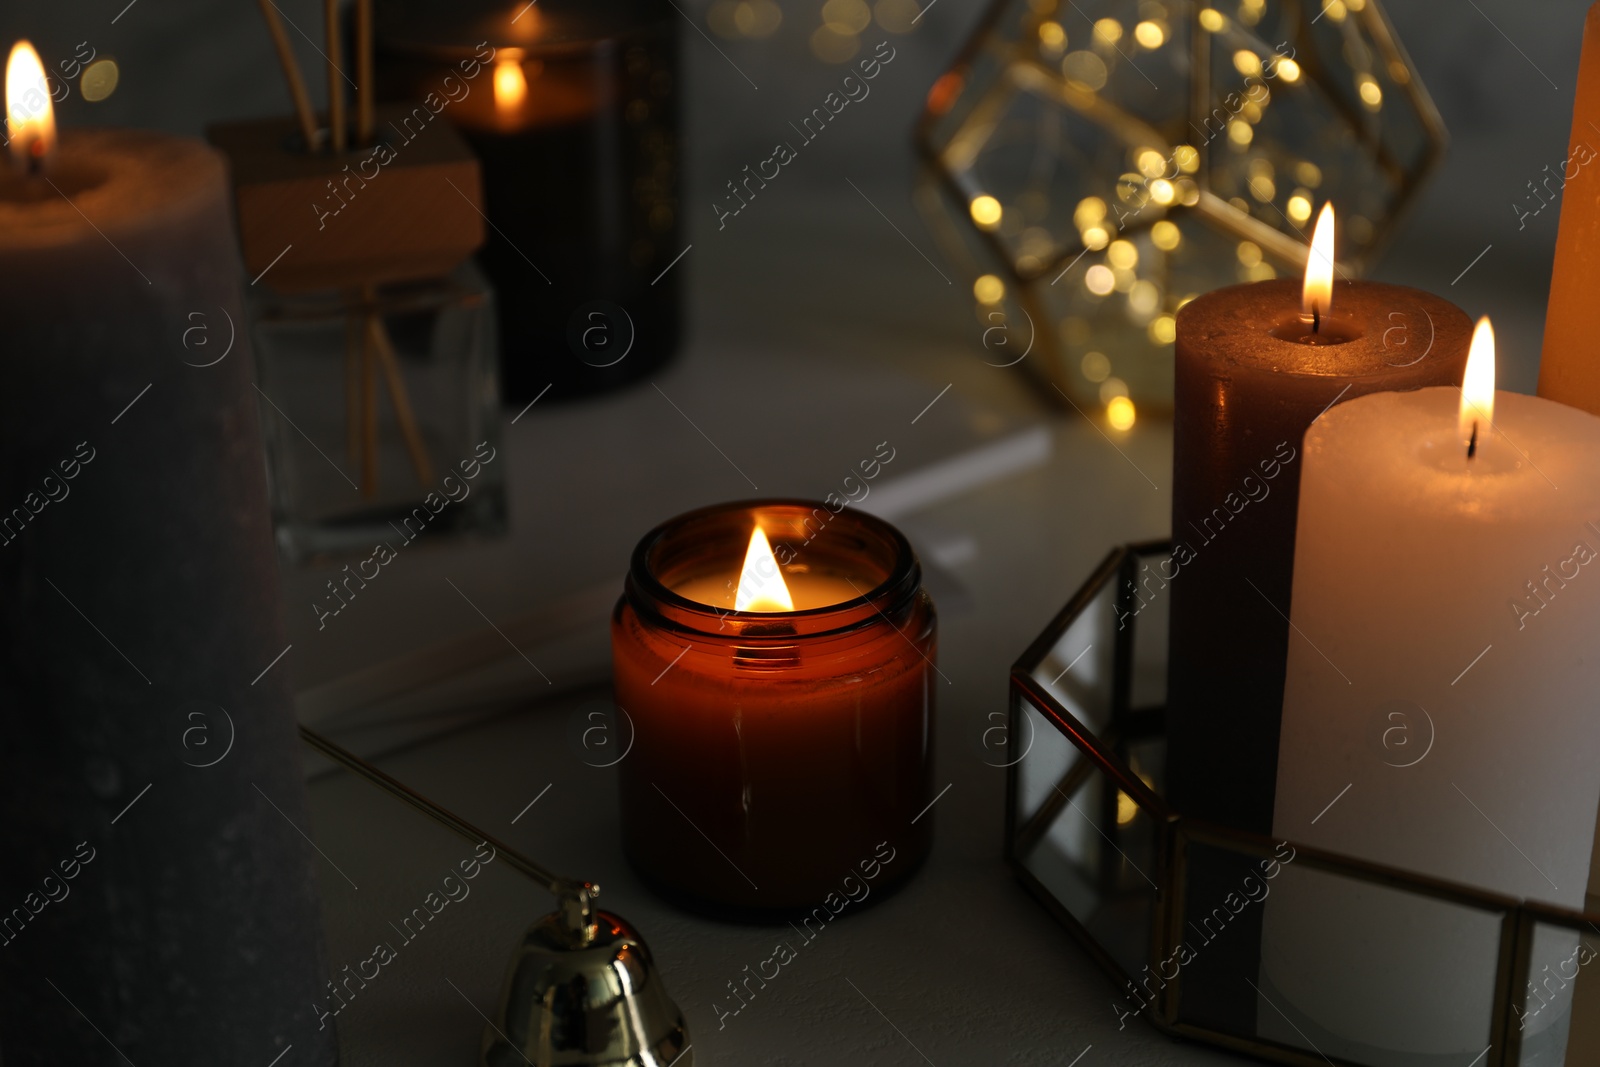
[1501, 71]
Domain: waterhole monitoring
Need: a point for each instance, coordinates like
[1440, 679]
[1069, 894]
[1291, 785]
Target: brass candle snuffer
[581, 989]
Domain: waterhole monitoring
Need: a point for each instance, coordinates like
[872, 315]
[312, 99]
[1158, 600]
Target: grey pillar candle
[156, 904]
[1250, 379]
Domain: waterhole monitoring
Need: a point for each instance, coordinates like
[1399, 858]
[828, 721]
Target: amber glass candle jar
[779, 757]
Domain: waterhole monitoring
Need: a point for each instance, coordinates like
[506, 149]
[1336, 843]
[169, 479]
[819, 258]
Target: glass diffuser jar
[782, 760]
[368, 446]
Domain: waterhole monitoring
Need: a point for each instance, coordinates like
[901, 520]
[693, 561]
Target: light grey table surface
[841, 342]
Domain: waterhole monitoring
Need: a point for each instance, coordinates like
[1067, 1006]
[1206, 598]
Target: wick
[32, 158]
[1316, 319]
[1472, 442]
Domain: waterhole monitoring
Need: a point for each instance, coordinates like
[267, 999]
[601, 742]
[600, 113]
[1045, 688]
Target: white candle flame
[761, 584]
[1477, 388]
[30, 119]
[1316, 295]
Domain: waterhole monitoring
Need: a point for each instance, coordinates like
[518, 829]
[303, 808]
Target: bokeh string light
[834, 26]
[1097, 164]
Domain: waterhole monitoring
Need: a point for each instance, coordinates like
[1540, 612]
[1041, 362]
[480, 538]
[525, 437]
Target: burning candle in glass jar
[782, 709]
[1255, 364]
[571, 109]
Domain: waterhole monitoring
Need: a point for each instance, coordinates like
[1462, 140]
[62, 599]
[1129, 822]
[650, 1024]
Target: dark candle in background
[573, 116]
[153, 894]
[1251, 377]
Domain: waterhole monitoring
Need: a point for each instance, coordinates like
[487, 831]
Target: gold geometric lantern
[1093, 164]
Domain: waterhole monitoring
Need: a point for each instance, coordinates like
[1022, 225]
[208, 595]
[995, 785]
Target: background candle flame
[761, 584]
[1316, 295]
[510, 85]
[1477, 384]
[30, 118]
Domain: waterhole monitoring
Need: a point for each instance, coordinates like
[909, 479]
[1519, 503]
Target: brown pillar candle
[1250, 378]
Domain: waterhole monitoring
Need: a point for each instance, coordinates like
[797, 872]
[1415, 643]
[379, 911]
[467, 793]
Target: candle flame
[1477, 388]
[510, 85]
[1316, 295]
[761, 584]
[30, 120]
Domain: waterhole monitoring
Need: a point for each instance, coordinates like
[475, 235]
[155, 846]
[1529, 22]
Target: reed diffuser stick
[291, 74]
[336, 120]
[366, 90]
[369, 418]
[378, 336]
[352, 389]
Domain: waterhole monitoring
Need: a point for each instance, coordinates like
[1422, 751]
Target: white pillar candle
[1439, 702]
